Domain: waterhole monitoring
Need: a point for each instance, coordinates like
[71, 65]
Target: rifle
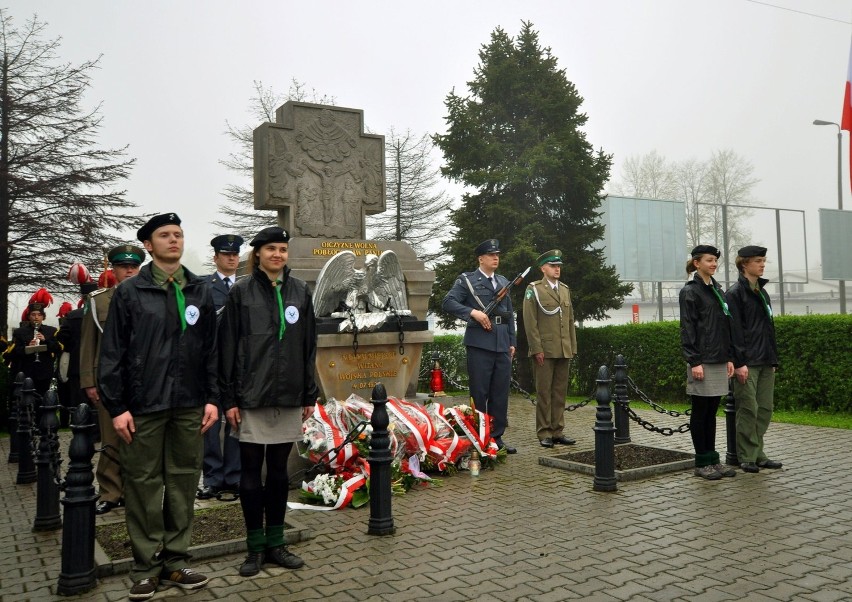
[489, 309]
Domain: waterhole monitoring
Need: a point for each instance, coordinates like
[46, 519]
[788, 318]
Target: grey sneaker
[725, 471]
[144, 589]
[707, 472]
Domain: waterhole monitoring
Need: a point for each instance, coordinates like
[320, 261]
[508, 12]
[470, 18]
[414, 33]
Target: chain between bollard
[655, 406]
[664, 430]
[580, 404]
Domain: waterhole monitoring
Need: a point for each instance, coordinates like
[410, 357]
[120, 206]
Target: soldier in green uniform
[125, 261]
[552, 338]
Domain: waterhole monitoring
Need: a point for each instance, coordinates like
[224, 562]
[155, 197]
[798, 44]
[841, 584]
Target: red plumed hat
[78, 273]
[40, 300]
[107, 279]
[64, 309]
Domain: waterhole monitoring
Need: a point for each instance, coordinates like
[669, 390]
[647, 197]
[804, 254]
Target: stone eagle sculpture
[370, 295]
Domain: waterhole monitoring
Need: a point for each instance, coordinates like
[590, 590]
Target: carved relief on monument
[323, 169]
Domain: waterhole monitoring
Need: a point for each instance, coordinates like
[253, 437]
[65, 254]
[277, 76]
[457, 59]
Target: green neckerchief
[719, 297]
[277, 286]
[759, 293]
[178, 280]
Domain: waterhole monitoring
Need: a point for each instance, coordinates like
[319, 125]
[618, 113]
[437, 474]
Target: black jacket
[21, 361]
[146, 363]
[705, 330]
[256, 369]
[753, 330]
[69, 336]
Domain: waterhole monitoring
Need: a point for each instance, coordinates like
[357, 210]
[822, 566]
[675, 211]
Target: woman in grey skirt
[705, 335]
[267, 350]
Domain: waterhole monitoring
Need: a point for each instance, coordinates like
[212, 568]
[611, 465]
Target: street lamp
[841, 283]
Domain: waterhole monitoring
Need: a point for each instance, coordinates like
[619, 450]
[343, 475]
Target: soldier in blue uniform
[222, 457]
[490, 340]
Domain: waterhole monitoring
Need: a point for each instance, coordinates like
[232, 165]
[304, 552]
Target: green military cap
[126, 254]
[553, 257]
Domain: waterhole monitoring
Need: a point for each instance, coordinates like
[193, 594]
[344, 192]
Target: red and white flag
[846, 118]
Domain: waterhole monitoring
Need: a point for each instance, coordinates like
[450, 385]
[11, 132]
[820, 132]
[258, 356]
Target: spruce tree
[535, 182]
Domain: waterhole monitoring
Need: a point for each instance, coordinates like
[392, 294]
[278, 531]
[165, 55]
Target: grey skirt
[270, 425]
[715, 381]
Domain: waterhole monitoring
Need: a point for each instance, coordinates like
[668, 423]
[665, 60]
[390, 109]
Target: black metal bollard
[731, 428]
[26, 466]
[78, 530]
[604, 437]
[381, 520]
[621, 402]
[13, 417]
[47, 463]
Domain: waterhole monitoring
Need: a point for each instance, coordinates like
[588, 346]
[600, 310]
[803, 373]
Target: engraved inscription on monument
[318, 168]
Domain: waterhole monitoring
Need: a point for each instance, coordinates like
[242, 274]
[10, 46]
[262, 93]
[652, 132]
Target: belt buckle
[498, 319]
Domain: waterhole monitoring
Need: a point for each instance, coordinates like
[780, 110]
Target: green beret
[553, 257]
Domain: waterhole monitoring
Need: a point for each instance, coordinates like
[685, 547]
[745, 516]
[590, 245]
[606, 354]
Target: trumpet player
[34, 345]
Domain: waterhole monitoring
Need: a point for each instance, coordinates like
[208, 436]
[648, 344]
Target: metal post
[660, 301]
[26, 467]
[731, 428]
[604, 437]
[13, 417]
[78, 530]
[47, 462]
[381, 520]
[780, 257]
[841, 284]
[622, 420]
[725, 245]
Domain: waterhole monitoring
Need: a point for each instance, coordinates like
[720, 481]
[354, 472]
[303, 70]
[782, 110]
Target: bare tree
[417, 211]
[705, 186]
[238, 212]
[58, 201]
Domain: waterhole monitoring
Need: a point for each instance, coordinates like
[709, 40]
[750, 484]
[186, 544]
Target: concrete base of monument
[348, 364]
[294, 532]
[632, 461]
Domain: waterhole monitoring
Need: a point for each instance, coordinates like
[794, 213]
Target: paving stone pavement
[528, 532]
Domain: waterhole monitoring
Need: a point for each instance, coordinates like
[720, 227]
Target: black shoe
[563, 440]
[283, 557]
[251, 565]
[144, 589]
[546, 442]
[208, 492]
[104, 507]
[509, 449]
[749, 467]
[771, 464]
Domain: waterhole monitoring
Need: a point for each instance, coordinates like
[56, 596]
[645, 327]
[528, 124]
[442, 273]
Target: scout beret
[492, 245]
[705, 250]
[126, 254]
[268, 235]
[553, 257]
[227, 243]
[164, 219]
[752, 251]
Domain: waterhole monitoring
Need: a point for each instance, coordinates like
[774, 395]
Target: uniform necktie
[277, 286]
[491, 280]
[181, 303]
[228, 282]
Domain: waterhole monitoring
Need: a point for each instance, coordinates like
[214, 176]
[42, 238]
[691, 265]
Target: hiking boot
[251, 565]
[184, 578]
[725, 471]
[707, 472]
[771, 464]
[144, 589]
[283, 557]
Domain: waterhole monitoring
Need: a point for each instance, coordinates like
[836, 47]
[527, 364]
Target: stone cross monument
[319, 170]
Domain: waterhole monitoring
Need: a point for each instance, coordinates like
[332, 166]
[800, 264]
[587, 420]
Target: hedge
[815, 357]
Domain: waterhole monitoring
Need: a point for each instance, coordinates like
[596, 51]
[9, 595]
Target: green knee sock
[274, 536]
[256, 540]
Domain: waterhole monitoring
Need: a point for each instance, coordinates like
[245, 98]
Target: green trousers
[551, 387]
[160, 469]
[754, 401]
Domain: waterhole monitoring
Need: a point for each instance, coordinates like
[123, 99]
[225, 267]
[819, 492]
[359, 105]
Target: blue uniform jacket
[218, 289]
[460, 302]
